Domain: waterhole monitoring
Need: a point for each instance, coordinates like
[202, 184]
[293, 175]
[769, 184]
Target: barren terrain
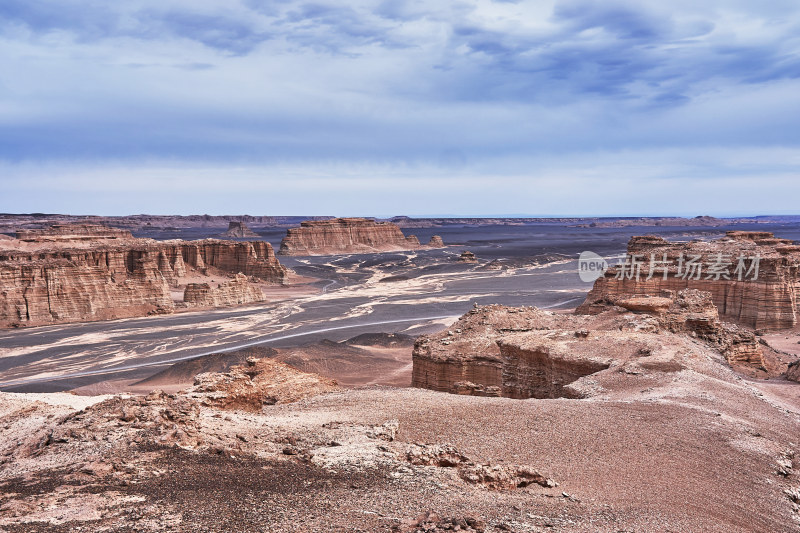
[296, 414]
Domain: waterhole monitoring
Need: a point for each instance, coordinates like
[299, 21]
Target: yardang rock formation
[347, 236]
[763, 295]
[525, 352]
[65, 275]
[239, 230]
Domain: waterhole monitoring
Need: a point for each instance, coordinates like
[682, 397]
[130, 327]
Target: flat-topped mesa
[753, 277]
[236, 291]
[73, 232]
[239, 230]
[251, 258]
[121, 278]
[529, 353]
[348, 235]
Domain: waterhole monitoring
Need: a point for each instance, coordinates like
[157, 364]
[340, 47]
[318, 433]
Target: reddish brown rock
[48, 292]
[48, 282]
[793, 372]
[236, 291]
[73, 232]
[253, 258]
[529, 353]
[766, 301]
[346, 235]
[259, 382]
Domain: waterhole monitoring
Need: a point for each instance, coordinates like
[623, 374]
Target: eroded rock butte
[529, 353]
[349, 235]
[67, 275]
[762, 296]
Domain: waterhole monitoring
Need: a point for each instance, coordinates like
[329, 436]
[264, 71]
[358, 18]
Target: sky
[401, 107]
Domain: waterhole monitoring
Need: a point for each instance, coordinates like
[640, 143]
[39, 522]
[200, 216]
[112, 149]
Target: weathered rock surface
[793, 372]
[236, 291]
[404, 459]
[239, 230]
[436, 242]
[347, 235]
[529, 353]
[260, 382]
[467, 257]
[54, 291]
[766, 301]
[73, 232]
[43, 281]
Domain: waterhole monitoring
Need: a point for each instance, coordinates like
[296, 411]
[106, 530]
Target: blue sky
[562, 107]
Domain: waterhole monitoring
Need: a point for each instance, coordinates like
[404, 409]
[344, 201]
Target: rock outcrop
[436, 242]
[467, 257]
[59, 290]
[529, 353]
[258, 383]
[753, 277]
[46, 281]
[236, 291]
[793, 372]
[347, 235]
[239, 230]
[73, 232]
[252, 258]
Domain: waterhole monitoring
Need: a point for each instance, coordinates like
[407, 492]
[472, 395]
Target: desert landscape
[371, 383]
[486, 266]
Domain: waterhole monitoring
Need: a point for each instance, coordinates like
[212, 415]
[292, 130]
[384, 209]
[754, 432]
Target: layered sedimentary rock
[753, 277]
[52, 291]
[258, 383]
[239, 230]
[347, 235]
[253, 258]
[236, 291]
[529, 353]
[73, 232]
[42, 282]
[693, 312]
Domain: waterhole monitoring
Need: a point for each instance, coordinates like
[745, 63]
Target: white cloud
[400, 98]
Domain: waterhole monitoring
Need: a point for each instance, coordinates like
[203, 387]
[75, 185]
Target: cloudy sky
[476, 107]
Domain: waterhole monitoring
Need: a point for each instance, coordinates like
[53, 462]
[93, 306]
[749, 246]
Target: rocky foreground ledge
[264, 447]
[530, 353]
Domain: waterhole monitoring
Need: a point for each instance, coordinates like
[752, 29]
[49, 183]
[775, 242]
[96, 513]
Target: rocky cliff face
[528, 353]
[254, 258]
[110, 278]
[347, 235]
[753, 277]
[236, 291]
[48, 292]
[73, 232]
